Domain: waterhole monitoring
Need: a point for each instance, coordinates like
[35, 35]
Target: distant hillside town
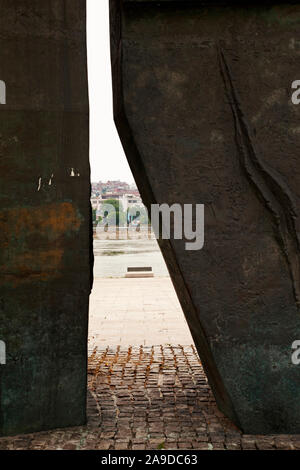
[124, 197]
[113, 187]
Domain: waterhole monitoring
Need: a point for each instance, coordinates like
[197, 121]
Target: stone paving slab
[150, 398]
[136, 312]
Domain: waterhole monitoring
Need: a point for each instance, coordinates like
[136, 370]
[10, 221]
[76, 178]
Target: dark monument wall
[45, 257]
[202, 98]
[202, 104]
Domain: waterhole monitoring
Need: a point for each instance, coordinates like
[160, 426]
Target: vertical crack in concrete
[268, 185]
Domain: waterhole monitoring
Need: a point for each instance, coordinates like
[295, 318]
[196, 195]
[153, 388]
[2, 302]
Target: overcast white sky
[108, 161]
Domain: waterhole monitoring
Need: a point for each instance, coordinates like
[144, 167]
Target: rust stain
[52, 220]
[39, 265]
[33, 240]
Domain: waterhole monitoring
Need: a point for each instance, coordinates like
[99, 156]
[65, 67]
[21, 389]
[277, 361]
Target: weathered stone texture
[44, 214]
[203, 107]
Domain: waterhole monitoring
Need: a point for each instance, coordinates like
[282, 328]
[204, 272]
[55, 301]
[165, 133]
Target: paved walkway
[150, 398]
[130, 312]
[147, 388]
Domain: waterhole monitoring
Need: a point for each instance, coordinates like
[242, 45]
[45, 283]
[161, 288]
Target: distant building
[128, 196]
[115, 187]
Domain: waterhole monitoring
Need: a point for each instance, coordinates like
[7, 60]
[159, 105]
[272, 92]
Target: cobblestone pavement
[150, 398]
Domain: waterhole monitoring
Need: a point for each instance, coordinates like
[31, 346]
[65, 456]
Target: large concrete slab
[202, 98]
[44, 215]
[136, 312]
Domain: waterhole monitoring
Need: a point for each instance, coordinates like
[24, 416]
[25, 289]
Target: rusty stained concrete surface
[23, 257]
[202, 98]
[45, 256]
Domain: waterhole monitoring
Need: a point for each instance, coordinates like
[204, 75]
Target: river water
[113, 257]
